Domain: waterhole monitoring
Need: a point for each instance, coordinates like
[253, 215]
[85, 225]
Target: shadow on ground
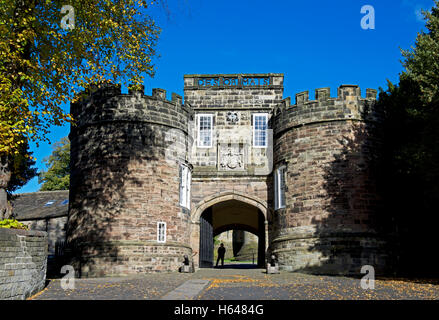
[238, 266]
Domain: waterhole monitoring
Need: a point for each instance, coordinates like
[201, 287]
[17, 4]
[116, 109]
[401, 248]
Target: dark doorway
[261, 240]
[206, 239]
[230, 215]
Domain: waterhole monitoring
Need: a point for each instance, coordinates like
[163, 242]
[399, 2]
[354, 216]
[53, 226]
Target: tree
[21, 171]
[46, 57]
[422, 107]
[422, 61]
[57, 177]
[408, 167]
[21, 168]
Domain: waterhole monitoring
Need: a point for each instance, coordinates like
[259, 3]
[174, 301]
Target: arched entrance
[230, 212]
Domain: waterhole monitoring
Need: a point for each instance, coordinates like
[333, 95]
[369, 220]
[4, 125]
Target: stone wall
[125, 156]
[208, 191]
[231, 100]
[209, 187]
[202, 93]
[329, 222]
[126, 150]
[240, 245]
[232, 165]
[23, 263]
[55, 228]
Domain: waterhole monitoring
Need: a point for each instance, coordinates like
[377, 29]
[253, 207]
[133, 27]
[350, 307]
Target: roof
[41, 205]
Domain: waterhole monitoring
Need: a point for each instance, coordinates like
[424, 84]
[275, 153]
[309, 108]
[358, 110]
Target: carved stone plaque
[231, 157]
[232, 116]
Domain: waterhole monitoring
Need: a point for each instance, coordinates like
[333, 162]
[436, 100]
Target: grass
[232, 260]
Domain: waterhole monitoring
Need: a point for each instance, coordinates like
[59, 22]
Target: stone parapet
[233, 91]
[349, 105]
[23, 263]
[119, 258]
[108, 104]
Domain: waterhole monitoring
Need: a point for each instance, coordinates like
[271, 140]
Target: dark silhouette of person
[221, 253]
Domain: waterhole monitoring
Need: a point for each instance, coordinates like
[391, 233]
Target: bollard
[272, 265]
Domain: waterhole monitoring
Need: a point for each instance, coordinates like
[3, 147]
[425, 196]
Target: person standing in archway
[221, 254]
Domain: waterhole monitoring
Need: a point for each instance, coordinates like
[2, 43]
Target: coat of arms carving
[231, 158]
[232, 116]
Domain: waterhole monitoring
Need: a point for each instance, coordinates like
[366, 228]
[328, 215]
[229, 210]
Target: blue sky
[313, 43]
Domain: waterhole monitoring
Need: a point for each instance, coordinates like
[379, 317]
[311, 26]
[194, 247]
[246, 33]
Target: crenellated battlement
[109, 104]
[110, 91]
[348, 105]
[131, 181]
[345, 92]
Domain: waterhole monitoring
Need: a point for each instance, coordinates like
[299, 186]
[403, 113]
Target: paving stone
[239, 284]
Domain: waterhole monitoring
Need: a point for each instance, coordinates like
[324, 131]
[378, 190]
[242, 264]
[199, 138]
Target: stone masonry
[126, 156]
[23, 263]
[328, 224]
[122, 185]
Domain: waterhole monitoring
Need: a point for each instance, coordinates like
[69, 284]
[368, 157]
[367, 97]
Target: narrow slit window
[185, 186]
[279, 187]
[205, 127]
[161, 232]
[260, 130]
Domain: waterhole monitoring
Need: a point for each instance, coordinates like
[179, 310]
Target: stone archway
[224, 196]
[230, 208]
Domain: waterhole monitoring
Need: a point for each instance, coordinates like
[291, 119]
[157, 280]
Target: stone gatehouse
[154, 179]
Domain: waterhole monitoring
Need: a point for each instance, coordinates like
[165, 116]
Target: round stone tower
[127, 151]
[326, 222]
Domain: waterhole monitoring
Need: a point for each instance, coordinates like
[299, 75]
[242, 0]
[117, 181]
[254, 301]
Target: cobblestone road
[237, 284]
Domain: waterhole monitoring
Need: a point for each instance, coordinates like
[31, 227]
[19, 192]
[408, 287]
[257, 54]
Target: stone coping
[235, 108]
[233, 75]
[21, 232]
[275, 81]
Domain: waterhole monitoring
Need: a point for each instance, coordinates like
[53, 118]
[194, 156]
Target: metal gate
[261, 239]
[206, 239]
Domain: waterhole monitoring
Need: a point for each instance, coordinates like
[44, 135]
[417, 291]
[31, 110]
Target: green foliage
[43, 65]
[57, 177]
[422, 61]
[21, 166]
[411, 130]
[12, 224]
[408, 169]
